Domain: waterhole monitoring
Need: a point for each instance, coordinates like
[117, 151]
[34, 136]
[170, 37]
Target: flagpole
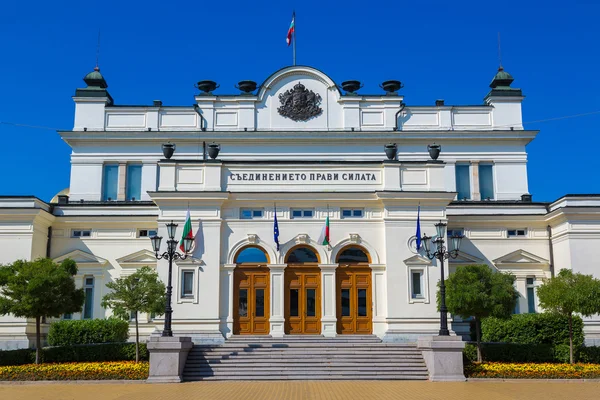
[294, 39]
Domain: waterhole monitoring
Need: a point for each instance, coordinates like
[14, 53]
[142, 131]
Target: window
[517, 232]
[463, 183]
[187, 284]
[67, 316]
[302, 255]
[486, 182]
[252, 255]
[132, 315]
[416, 279]
[88, 307]
[352, 255]
[110, 179]
[302, 213]
[133, 190]
[531, 295]
[147, 232]
[352, 213]
[456, 232]
[80, 233]
[248, 213]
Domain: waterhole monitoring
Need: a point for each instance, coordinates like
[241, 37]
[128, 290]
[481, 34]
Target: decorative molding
[466, 258]
[252, 238]
[418, 260]
[138, 259]
[299, 103]
[302, 239]
[83, 259]
[520, 258]
[354, 238]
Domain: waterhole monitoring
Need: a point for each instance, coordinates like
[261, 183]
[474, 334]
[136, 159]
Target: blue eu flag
[418, 234]
[276, 230]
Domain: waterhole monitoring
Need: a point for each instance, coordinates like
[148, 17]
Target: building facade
[300, 150]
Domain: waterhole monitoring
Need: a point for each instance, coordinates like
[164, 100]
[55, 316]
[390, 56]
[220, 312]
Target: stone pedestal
[167, 358]
[443, 357]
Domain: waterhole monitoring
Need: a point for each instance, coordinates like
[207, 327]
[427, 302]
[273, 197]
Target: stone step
[304, 361]
[307, 353]
[301, 369]
[292, 377]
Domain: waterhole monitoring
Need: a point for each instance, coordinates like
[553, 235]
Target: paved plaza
[300, 390]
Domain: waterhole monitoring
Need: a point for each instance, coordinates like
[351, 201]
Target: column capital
[228, 267]
[276, 267]
[377, 267]
[328, 267]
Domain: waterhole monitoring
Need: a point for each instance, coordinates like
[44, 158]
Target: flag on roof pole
[187, 230]
[324, 238]
[276, 229]
[418, 234]
[291, 29]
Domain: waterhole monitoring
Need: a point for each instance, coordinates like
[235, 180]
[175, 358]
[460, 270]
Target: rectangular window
[110, 180]
[352, 213]
[88, 307]
[147, 232]
[302, 213]
[294, 302]
[517, 232]
[531, 295]
[81, 233]
[133, 190]
[251, 213]
[362, 302]
[456, 231]
[463, 182]
[417, 284]
[187, 284]
[67, 316]
[311, 302]
[259, 302]
[486, 182]
[345, 302]
[243, 303]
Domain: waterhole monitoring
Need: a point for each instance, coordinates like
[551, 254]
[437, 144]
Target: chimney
[63, 199]
[439, 102]
[526, 198]
[157, 103]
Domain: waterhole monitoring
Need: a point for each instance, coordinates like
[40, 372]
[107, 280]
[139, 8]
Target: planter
[391, 87]
[168, 150]
[391, 150]
[351, 86]
[213, 150]
[207, 86]
[246, 86]
[434, 151]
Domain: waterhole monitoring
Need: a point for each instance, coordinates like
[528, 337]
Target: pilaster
[226, 307]
[277, 295]
[328, 300]
[475, 193]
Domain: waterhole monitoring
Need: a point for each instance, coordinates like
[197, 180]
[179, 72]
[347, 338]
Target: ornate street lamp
[170, 255]
[440, 252]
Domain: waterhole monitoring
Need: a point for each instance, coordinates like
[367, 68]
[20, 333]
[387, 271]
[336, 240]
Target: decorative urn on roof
[247, 87]
[206, 86]
[391, 87]
[350, 87]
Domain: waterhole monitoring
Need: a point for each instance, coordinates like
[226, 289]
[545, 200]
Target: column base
[443, 357]
[167, 358]
[276, 327]
[329, 327]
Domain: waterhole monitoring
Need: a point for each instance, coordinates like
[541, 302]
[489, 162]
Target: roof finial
[500, 68]
[97, 68]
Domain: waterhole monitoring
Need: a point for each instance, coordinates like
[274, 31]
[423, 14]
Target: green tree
[476, 291]
[569, 293]
[140, 292]
[37, 289]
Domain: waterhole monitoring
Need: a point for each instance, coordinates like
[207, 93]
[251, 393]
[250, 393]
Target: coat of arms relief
[299, 103]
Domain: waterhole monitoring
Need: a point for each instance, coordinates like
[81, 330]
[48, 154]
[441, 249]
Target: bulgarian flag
[324, 238]
[291, 30]
[187, 230]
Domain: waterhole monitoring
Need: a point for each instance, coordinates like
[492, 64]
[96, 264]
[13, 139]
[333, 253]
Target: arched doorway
[302, 291]
[353, 292]
[251, 292]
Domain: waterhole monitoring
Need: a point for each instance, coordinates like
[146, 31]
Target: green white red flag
[291, 30]
[187, 230]
[324, 238]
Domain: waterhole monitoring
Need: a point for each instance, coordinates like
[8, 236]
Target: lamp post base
[443, 357]
[167, 358]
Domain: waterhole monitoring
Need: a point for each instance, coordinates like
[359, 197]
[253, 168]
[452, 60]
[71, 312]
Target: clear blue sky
[439, 49]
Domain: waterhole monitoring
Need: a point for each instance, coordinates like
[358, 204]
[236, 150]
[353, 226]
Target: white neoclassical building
[299, 149]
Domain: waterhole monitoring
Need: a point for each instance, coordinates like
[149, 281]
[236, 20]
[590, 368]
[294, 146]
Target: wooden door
[302, 300]
[354, 306]
[251, 301]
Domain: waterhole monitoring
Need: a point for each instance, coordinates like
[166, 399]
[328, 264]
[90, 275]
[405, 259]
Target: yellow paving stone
[304, 390]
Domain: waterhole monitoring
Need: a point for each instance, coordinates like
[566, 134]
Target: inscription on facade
[303, 177]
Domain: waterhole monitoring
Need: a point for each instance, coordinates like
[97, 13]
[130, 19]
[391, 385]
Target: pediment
[520, 258]
[417, 259]
[138, 259]
[466, 258]
[82, 258]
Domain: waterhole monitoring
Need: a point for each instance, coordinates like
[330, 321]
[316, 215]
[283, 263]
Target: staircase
[350, 357]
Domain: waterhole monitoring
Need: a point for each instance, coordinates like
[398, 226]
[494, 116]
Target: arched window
[352, 255]
[301, 255]
[253, 255]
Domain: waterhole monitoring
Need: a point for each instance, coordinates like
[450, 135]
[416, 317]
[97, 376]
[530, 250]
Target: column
[328, 300]
[122, 181]
[475, 193]
[226, 307]
[277, 295]
[378, 294]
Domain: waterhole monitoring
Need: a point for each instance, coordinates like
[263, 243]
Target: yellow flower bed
[532, 371]
[76, 371]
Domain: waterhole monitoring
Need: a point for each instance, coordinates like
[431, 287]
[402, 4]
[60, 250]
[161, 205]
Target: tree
[570, 293]
[37, 289]
[139, 292]
[476, 291]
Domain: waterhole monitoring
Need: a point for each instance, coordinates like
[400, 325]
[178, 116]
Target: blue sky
[439, 49]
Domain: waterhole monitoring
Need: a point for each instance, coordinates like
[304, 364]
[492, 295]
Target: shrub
[589, 354]
[511, 352]
[67, 333]
[78, 353]
[75, 371]
[544, 328]
[532, 371]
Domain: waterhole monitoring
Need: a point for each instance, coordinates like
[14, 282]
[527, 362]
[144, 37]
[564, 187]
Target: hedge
[79, 353]
[532, 371]
[544, 328]
[67, 333]
[532, 353]
[75, 371]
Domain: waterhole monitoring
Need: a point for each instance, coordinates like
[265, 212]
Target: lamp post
[170, 255]
[439, 251]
